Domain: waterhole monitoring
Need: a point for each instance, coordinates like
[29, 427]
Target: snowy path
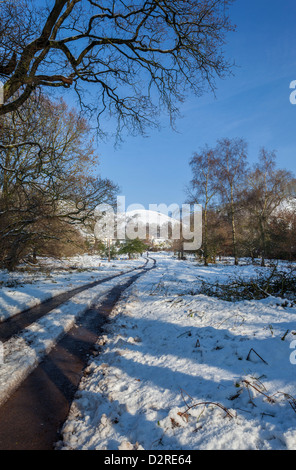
[23, 290]
[182, 371]
[17, 322]
[177, 370]
[23, 352]
[44, 396]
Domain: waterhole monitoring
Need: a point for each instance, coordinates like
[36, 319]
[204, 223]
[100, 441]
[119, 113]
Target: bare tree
[268, 188]
[134, 57]
[203, 188]
[48, 182]
[232, 172]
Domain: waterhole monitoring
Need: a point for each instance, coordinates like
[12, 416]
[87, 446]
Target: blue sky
[253, 104]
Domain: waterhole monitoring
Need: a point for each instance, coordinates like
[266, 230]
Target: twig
[231, 316]
[185, 333]
[209, 403]
[184, 398]
[248, 384]
[291, 400]
[248, 357]
[284, 336]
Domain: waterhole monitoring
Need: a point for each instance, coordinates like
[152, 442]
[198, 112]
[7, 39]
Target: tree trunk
[206, 254]
[263, 242]
[233, 230]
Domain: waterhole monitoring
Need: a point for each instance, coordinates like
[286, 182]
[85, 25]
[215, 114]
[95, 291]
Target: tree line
[49, 183]
[248, 210]
[125, 60]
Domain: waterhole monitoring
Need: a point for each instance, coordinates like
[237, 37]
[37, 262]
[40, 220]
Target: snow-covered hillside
[288, 205]
[151, 217]
[140, 223]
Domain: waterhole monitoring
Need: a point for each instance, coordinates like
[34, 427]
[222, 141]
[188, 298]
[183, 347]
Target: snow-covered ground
[23, 352]
[183, 371]
[177, 369]
[22, 290]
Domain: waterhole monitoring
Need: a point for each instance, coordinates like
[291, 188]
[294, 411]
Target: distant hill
[288, 205]
[156, 225]
[151, 217]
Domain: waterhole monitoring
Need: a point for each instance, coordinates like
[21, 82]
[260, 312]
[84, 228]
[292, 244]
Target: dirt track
[13, 325]
[31, 419]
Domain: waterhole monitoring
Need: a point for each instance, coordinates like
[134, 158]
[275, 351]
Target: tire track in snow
[13, 325]
[32, 417]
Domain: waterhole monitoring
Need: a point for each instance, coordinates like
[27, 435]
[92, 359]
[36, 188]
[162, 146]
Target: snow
[288, 205]
[23, 290]
[151, 217]
[177, 370]
[180, 371]
[23, 352]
